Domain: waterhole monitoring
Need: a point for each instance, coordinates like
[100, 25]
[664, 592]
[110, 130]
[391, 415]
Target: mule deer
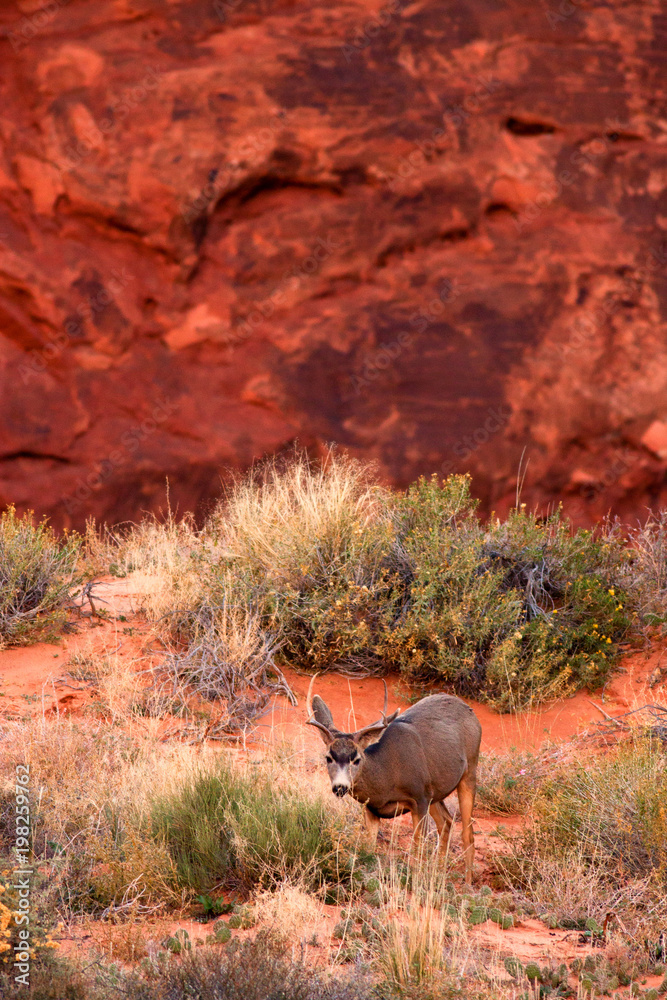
[407, 763]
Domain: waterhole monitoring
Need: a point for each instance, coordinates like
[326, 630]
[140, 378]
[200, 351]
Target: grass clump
[314, 546]
[125, 827]
[246, 828]
[598, 841]
[37, 572]
[646, 569]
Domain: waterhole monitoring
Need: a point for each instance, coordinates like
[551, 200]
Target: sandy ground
[35, 680]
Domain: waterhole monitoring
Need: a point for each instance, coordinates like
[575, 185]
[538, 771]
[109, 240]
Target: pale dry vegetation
[322, 567]
[126, 827]
[319, 566]
[37, 574]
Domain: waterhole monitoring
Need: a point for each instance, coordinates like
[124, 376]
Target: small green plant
[244, 829]
[37, 573]
[214, 907]
[178, 942]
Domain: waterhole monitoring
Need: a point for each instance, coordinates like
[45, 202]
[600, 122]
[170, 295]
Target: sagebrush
[37, 573]
[319, 566]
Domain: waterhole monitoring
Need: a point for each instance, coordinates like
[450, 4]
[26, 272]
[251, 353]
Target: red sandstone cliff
[432, 232]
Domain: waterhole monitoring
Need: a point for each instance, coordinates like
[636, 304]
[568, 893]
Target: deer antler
[381, 723]
[311, 720]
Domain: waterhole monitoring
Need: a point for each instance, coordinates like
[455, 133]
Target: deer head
[345, 751]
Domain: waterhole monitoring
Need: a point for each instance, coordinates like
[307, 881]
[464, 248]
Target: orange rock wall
[431, 232]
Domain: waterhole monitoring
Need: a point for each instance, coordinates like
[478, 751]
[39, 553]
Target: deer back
[426, 751]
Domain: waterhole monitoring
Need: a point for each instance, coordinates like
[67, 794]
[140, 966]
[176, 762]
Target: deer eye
[329, 759]
[357, 760]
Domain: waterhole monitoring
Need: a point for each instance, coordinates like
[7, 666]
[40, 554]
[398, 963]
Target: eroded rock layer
[431, 232]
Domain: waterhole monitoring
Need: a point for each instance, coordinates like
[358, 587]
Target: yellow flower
[595, 626]
[611, 591]
[608, 640]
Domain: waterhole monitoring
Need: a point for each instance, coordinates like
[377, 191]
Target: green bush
[37, 572]
[598, 840]
[515, 611]
[321, 567]
[613, 810]
[243, 829]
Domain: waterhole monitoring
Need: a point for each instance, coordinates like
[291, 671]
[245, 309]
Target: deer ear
[369, 736]
[321, 713]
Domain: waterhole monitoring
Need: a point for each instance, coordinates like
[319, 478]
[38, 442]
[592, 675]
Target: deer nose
[339, 790]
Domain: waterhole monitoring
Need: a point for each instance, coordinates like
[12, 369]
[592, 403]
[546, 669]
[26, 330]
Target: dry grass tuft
[598, 839]
[290, 909]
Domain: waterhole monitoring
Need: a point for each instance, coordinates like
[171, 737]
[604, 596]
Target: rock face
[431, 232]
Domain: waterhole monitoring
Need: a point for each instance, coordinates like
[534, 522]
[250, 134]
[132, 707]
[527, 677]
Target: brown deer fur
[407, 763]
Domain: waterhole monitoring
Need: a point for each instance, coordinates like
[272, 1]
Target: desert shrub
[313, 544]
[37, 572]
[242, 829]
[130, 826]
[261, 968]
[645, 571]
[507, 782]
[419, 940]
[89, 837]
[41, 964]
[221, 650]
[319, 566]
[349, 574]
[614, 809]
[51, 978]
[256, 969]
[522, 610]
[598, 840]
[217, 643]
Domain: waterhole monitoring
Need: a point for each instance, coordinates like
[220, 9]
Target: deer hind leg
[466, 793]
[371, 824]
[443, 821]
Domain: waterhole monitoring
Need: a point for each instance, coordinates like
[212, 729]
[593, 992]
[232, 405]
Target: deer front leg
[371, 824]
[419, 811]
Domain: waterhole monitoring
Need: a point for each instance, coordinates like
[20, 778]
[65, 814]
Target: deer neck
[365, 783]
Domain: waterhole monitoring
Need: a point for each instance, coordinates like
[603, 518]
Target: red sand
[33, 680]
[355, 703]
